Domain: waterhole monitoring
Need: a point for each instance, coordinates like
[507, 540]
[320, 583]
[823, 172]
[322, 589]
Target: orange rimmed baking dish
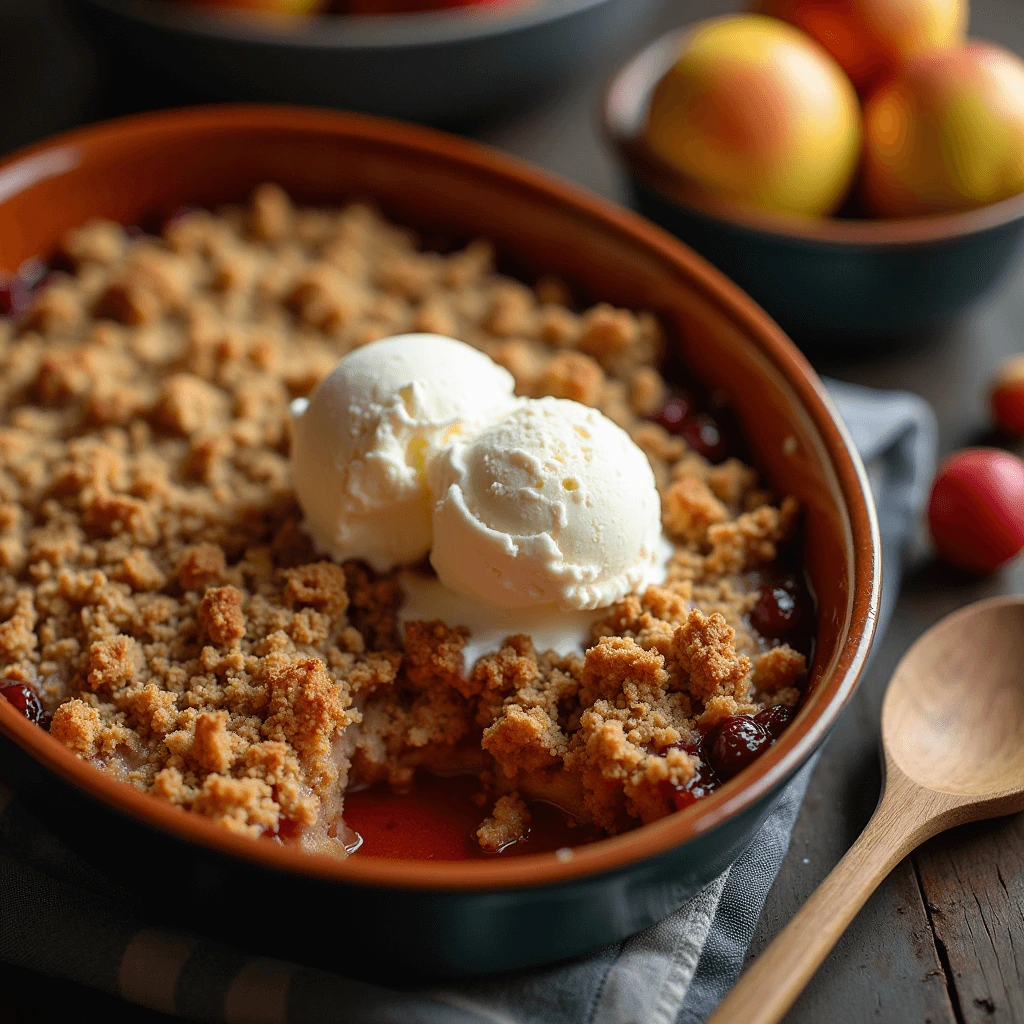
[460, 917]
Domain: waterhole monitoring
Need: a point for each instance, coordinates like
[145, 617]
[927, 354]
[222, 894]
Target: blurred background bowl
[829, 282]
[440, 67]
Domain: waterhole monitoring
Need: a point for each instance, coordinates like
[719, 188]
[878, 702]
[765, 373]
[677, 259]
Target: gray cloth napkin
[59, 917]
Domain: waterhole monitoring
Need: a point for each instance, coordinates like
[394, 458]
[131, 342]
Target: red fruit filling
[736, 743]
[704, 435]
[25, 699]
[774, 720]
[14, 295]
[674, 412]
[699, 786]
[777, 612]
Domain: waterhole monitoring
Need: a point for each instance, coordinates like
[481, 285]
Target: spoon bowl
[953, 718]
[953, 748]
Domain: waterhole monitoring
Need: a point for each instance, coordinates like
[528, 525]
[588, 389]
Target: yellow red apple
[871, 38]
[756, 111]
[945, 133]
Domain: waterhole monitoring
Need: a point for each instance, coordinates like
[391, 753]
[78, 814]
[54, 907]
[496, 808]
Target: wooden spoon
[952, 752]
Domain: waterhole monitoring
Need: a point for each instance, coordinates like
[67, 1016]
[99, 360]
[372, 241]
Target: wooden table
[943, 939]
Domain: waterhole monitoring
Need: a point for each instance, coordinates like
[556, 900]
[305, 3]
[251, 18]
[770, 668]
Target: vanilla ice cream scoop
[362, 444]
[552, 504]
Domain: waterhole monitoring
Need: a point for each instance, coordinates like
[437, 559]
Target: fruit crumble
[166, 616]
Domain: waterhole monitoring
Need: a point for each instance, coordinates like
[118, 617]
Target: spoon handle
[771, 984]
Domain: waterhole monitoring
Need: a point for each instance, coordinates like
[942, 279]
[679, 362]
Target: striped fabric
[61, 918]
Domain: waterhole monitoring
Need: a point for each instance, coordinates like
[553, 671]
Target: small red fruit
[704, 435]
[778, 610]
[976, 509]
[15, 295]
[774, 719]
[736, 743]
[1007, 398]
[25, 699]
[698, 786]
[674, 412]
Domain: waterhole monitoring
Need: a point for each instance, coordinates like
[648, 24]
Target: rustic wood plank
[886, 967]
[973, 883]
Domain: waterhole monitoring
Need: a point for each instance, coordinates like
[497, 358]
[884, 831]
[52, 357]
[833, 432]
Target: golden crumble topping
[158, 593]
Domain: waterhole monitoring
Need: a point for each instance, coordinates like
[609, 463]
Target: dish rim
[343, 31]
[618, 104]
[60, 153]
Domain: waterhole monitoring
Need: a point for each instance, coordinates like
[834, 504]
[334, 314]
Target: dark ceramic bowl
[415, 918]
[831, 281]
[438, 67]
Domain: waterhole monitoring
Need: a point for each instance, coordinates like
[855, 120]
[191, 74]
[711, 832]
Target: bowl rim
[627, 89]
[55, 156]
[343, 31]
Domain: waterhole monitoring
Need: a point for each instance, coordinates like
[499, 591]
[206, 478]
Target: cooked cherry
[778, 610]
[698, 786]
[694, 790]
[25, 699]
[179, 213]
[691, 746]
[674, 412]
[736, 743]
[14, 295]
[703, 434]
[774, 720]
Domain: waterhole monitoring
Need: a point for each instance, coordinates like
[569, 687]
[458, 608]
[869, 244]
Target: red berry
[704, 435]
[25, 699]
[778, 611]
[1007, 398]
[674, 412]
[774, 719]
[736, 743]
[699, 785]
[696, 788]
[976, 509]
[14, 295]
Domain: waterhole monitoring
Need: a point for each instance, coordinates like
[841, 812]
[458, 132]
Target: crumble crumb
[508, 823]
[220, 615]
[778, 669]
[704, 648]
